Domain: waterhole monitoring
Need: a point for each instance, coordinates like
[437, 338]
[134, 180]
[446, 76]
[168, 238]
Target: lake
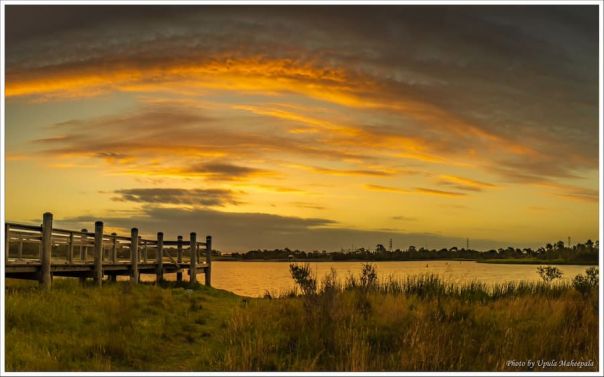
[255, 278]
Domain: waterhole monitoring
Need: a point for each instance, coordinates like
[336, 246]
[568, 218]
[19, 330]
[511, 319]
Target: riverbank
[427, 260]
[314, 260]
[417, 325]
[538, 262]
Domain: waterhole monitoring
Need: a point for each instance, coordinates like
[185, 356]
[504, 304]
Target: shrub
[303, 276]
[593, 276]
[368, 276]
[585, 283]
[330, 282]
[549, 273]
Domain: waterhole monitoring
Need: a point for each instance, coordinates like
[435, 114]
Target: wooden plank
[88, 268]
[175, 243]
[32, 228]
[67, 231]
[22, 268]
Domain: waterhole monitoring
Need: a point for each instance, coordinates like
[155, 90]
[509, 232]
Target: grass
[419, 323]
[118, 327]
[416, 324]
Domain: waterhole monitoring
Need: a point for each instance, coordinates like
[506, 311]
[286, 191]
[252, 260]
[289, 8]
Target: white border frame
[293, 2]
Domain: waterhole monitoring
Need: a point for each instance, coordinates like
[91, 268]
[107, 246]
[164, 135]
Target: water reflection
[255, 278]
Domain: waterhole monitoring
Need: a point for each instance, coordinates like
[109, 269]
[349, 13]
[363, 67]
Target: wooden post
[113, 248]
[134, 255]
[70, 249]
[159, 257]
[144, 251]
[209, 261]
[113, 277]
[6, 242]
[179, 258]
[193, 265]
[98, 253]
[45, 274]
[83, 238]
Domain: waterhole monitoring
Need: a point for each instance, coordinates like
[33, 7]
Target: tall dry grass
[417, 324]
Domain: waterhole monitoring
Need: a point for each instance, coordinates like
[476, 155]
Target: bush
[585, 283]
[302, 275]
[330, 282]
[549, 273]
[368, 276]
[593, 276]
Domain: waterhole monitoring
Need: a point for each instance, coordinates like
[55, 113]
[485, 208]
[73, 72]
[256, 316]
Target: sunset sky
[306, 127]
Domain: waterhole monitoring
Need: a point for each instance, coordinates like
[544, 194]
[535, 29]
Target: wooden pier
[41, 252]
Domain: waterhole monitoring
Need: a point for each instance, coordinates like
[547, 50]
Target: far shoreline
[488, 261]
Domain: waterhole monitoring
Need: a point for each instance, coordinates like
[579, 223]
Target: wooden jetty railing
[112, 255]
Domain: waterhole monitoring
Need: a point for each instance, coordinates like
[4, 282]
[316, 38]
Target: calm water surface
[255, 278]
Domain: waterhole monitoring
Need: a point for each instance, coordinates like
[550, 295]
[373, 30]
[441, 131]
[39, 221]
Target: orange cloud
[429, 191]
[465, 183]
[257, 74]
[385, 189]
[429, 141]
[381, 172]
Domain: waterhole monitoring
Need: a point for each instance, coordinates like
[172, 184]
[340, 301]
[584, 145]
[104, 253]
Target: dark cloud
[245, 231]
[584, 194]
[193, 197]
[308, 205]
[225, 171]
[403, 218]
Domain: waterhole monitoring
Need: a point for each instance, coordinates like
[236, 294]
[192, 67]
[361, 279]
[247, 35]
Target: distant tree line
[585, 253]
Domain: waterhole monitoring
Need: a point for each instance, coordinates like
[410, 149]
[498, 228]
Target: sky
[310, 127]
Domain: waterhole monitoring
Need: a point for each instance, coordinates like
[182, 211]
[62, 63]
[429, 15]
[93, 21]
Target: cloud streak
[191, 197]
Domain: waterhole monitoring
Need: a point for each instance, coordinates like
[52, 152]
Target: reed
[419, 323]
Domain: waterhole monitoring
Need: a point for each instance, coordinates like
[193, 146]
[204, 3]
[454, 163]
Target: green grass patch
[119, 327]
